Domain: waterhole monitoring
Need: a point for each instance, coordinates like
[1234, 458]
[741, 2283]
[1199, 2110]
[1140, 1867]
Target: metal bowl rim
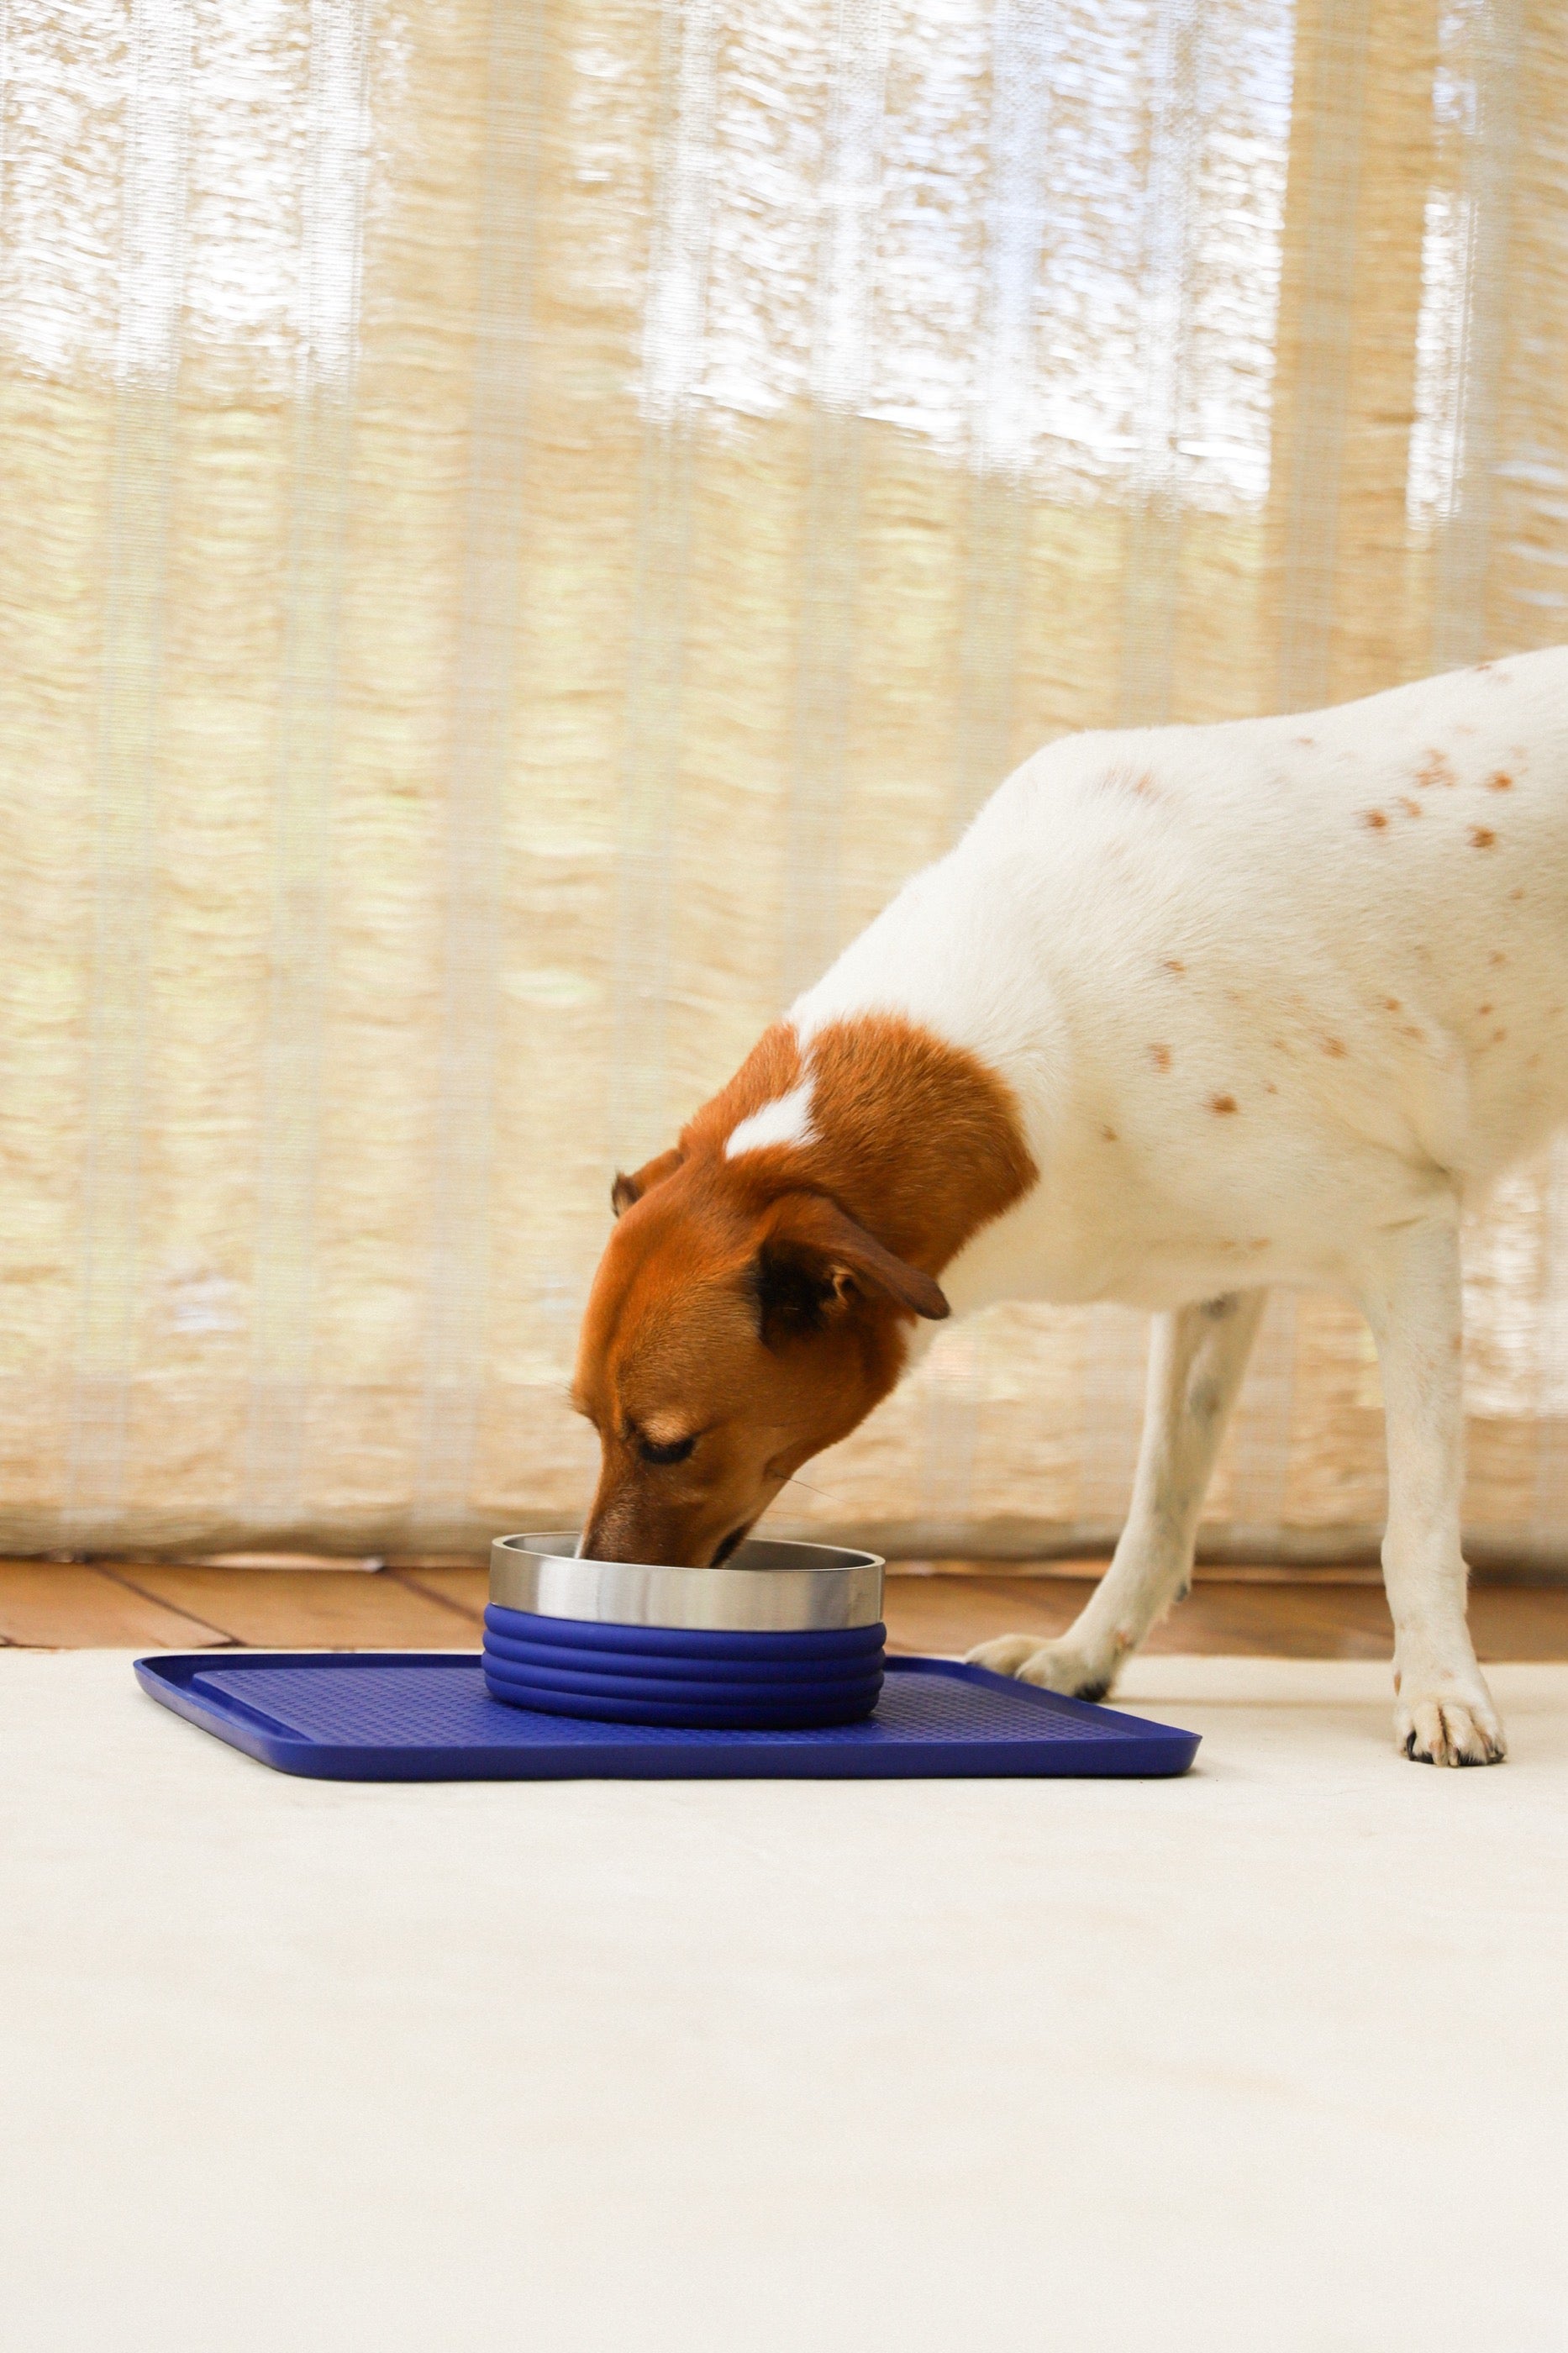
[812, 1588]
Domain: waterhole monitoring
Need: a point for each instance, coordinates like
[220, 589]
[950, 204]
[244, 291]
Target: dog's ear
[628, 1189]
[815, 1262]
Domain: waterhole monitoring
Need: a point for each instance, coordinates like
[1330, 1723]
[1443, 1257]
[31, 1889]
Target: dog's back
[1359, 918]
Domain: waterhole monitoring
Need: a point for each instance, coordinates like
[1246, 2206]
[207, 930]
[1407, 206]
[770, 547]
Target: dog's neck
[918, 1141]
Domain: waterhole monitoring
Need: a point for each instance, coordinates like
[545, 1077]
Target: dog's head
[764, 1278]
[733, 1331]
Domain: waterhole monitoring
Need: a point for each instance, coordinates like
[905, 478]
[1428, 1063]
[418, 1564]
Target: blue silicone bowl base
[413, 1715]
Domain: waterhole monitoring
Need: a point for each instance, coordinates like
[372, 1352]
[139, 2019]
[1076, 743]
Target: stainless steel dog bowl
[766, 1587]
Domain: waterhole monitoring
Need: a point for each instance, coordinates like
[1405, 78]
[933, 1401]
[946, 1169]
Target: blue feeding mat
[426, 1715]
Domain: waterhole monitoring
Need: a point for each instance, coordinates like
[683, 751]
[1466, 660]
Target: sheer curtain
[522, 524]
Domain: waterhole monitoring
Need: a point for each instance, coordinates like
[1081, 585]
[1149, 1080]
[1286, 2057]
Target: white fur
[1142, 930]
[785, 1119]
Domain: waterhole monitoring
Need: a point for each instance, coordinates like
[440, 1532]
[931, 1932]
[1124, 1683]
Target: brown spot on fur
[1375, 819]
[1110, 1135]
[1497, 956]
[1161, 1057]
[1392, 1005]
[1497, 1037]
[1411, 808]
[1502, 782]
[1269, 1088]
[1435, 770]
[1139, 782]
[1483, 1009]
[1336, 1048]
[1482, 837]
[1516, 893]
[1222, 1106]
[1174, 964]
[1307, 741]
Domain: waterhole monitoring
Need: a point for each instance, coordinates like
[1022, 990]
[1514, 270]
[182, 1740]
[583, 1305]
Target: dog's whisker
[825, 1493]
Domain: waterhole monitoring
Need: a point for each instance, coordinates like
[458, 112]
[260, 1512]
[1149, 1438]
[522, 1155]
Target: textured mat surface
[413, 1716]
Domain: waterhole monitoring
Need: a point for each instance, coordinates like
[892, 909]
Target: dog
[1188, 1012]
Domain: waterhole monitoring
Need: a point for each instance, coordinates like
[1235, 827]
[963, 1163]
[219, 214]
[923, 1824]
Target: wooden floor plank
[1311, 1619]
[943, 1613]
[64, 1605]
[465, 1591]
[114, 1605]
[314, 1610]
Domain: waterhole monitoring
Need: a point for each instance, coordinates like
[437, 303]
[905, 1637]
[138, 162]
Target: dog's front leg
[1197, 1359]
[1415, 1304]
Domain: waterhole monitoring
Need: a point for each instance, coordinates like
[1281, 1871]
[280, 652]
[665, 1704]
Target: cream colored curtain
[523, 523]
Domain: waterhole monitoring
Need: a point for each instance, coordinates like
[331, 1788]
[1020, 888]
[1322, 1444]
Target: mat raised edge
[1044, 1734]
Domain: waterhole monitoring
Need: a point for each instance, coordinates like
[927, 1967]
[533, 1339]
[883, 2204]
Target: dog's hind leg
[1197, 1359]
[1413, 1302]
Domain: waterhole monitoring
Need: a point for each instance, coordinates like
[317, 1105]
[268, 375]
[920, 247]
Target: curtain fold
[524, 524]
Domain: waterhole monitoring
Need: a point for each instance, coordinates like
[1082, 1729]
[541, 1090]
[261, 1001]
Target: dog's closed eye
[677, 1451]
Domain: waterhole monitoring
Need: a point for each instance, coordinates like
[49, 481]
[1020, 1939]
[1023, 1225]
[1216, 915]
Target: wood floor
[56, 1606]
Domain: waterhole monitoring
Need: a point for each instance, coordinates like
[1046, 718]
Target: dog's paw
[1449, 1727]
[1055, 1666]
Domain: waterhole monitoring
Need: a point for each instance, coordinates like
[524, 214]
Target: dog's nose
[617, 1533]
[597, 1542]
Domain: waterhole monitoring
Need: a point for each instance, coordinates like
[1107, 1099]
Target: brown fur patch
[1110, 1135]
[1375, 819]
[1502, 782]
[757, 1306]
[1335, 1047]
[1222, 1106]
[1435, 770]
[1161, 1057]
[1482, 837]
[1174, 964]
[1411, 808]
[918, 1141]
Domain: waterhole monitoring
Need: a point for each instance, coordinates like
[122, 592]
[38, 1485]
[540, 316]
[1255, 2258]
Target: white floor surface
[1273, 2057]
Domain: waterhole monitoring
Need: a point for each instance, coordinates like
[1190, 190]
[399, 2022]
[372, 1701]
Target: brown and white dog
[1188, 1012]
